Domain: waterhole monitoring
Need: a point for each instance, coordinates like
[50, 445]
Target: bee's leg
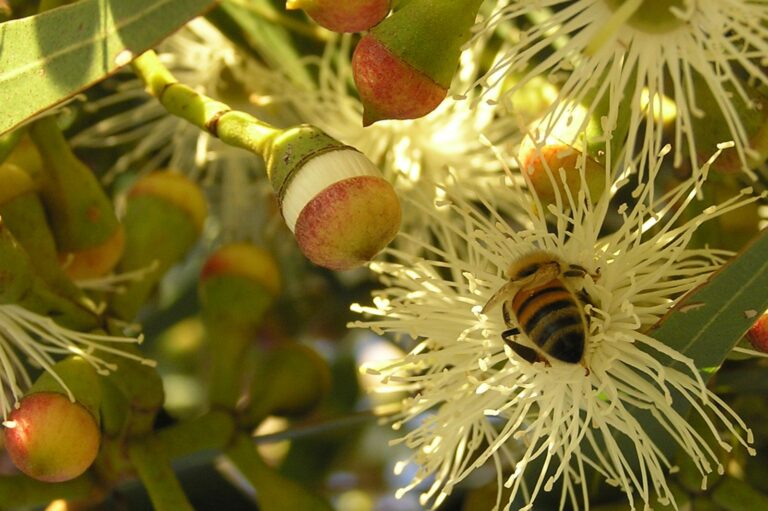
[584, 298]
[510, 332]
[530, 355]
[508, 318]
[575, 270]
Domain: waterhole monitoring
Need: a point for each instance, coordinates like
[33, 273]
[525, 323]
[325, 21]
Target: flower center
[652, 16]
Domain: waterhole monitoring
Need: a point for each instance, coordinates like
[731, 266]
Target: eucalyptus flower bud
[238, 283]
[404, 66]
[164, 216]
[554, 168]
[81, 214]
[50, 438]
[293, 379]
[53, 435]
[343, 15]
[758, 334]
[332, 197]
[23, 213]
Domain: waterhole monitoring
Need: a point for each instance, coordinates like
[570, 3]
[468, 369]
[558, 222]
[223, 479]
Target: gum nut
[343, 15]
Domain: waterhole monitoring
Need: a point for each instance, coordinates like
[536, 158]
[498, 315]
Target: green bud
[23, 213]
[404, 66]
[15, 268]
[164, 216]
[292, 380]
[237, 285]
[81, 214]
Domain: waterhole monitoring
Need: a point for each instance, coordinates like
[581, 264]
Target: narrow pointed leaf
[711, 320]
[708, 322]
[47, 58]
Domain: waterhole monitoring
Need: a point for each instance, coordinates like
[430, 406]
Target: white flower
[29, 339]
[683, 50]
[475, 401]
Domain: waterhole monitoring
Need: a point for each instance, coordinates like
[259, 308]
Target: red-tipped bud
[165, 212]
[343, 15]
[389, 87]
[554, 168]
[404, 67]
[758, 334]
[50, 438]
[342, 223]
[238, 284]
[332, 197]
[95, 261]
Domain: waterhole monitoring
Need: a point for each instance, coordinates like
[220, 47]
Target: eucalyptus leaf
[708, 322]
[47, 58]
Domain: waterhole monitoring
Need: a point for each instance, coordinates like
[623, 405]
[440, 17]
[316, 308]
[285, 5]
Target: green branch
[274, 491]
[214, 430]
[156, 473]
[232, 127]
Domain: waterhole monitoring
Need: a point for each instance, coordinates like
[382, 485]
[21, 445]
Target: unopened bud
[343, 15]
[293, 380]
[80, 212]
[50, 438]
[404, 66]
[333, 198]
[238, 284]
[553, 169]
[164, 215]
[758, 334]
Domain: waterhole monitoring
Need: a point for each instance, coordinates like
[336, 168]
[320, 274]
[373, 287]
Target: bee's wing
[505, 292]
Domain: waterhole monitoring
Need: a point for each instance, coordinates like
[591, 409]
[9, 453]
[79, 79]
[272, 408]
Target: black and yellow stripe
[551, 317]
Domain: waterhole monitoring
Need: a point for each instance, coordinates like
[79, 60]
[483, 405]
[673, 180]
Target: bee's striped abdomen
[551, 317]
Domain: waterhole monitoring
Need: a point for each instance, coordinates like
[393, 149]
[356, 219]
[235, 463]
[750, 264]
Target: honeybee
[546, 308]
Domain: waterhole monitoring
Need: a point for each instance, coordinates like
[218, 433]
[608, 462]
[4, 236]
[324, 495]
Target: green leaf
[707, 323]
[47, 58]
